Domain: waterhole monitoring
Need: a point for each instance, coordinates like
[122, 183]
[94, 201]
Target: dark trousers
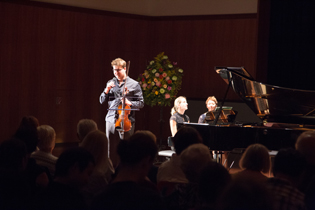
[114, 137]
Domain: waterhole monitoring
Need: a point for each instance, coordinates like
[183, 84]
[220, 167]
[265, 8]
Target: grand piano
[284, 113]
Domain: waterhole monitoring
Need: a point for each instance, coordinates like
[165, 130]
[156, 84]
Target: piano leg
[222, 158]
[217, 156]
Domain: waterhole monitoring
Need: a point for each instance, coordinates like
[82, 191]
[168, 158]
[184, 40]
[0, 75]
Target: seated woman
[211, 104]
[178, 114]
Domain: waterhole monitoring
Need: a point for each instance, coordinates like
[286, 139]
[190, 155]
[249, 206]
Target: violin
[123, 123]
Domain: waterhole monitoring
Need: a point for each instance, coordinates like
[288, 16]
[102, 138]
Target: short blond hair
[46, 137]
[305, 144]
[256, 157]
[119, 62]
[84, 127]
[177, 102]
[211, 98]
[194, 159]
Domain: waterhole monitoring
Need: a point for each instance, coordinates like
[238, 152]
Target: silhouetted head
[46, 138]
[256, 157]
[305, 144]
[84, 127]
[97, 144]
[74, 166]
[185, 137]
[27, 132]
[194, 159]
[213, 180]
[289, 162]
[139, 146]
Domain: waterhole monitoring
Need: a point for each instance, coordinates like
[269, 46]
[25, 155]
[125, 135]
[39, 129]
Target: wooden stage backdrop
[55, 60]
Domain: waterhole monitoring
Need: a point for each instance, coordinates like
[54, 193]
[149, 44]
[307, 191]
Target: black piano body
[284, 113]
[229, 137]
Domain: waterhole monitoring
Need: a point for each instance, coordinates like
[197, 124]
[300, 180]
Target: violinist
[211, 104]
[121, 85]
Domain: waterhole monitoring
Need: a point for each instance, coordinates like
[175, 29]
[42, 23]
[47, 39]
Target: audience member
[27, 132]
[84, 127]
[193, 160]
[15, 191]
[97, 144]
[152, 174]
[254, 162]
[305, 144]
[288, 167]
[73, 169]
[37, 175]
[214, 178]
[170, 171]
[129, 190]
[45, 145]
[245, 193]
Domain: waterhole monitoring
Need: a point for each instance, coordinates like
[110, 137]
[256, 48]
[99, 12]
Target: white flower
[164, 57]
[153, 71]
[151, 62]
[181, 70]
[170, 66]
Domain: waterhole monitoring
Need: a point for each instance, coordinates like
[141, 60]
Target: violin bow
[123, 102]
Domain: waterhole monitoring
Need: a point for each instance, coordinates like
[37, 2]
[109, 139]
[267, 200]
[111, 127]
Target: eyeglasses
[117, 69]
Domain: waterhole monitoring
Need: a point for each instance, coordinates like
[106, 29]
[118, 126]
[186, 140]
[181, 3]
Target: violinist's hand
[127, 102]
[109, 86]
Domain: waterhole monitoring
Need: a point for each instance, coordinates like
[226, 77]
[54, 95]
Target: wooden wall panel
[55, 61]
[199, 45]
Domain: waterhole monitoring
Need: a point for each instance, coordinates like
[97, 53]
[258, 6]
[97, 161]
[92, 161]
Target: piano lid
[271, 103]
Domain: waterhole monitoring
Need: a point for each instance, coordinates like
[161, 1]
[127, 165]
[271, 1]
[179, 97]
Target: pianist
[211, 104]
[178, 114]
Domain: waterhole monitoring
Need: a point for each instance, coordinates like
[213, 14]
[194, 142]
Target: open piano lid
[271, 103]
